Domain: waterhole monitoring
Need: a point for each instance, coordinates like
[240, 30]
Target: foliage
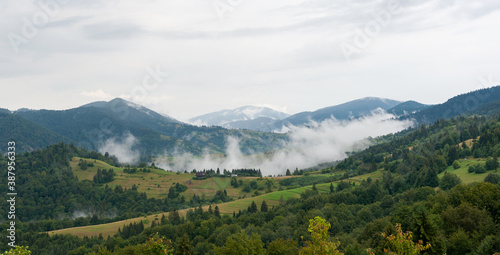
[492, 178]
[104, 176]
[402, 243]
[320, 244]
[449, 180]
[280, 246]
[18, 250]
[240, 243]
[305, 180]
[157, 245]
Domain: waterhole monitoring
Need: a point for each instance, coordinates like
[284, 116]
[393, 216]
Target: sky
[187, 58]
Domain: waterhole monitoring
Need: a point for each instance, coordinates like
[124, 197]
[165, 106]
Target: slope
[480, 101]
[27, 134]
[89, 126]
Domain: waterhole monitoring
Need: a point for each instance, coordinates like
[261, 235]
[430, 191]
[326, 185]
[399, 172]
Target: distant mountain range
[91, 125]
[269, 120]
[238, 118]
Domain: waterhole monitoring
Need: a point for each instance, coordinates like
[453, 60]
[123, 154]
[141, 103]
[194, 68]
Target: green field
[207, 185]
[157, 182]
[463, 173]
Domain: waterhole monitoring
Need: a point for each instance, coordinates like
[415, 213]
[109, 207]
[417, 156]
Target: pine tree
[263, 207]
[331, 187]
[288, 172]
[252, 208]
[217, 212]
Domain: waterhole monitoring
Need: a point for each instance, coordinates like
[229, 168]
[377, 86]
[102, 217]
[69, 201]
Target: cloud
[122, 148]
[100, 94]
[307, 146]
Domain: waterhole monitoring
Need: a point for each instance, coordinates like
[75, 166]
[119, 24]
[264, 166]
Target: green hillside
[90, 125]
[433, 180]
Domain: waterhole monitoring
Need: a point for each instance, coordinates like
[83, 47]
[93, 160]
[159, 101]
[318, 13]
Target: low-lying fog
[308, 146]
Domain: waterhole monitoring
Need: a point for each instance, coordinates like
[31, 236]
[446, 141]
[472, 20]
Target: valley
[364, 176]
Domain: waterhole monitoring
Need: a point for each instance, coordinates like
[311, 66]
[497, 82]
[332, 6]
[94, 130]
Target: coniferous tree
[263, 207]
[252, 208]
[217, 212]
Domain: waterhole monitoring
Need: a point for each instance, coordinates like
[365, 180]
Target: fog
[309, 146]
[122, 148]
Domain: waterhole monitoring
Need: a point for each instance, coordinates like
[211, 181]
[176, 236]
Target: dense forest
[443, 214]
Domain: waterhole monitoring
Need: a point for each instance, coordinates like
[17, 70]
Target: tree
[263, 207]
[171, 193]
[449, 180]
[429, 177]
[288, 172]
[491, 164]
[320, 244]
[456, 164]
[331, 187]
[492, 178]
[280, 246]
[18, 250]
[452, 155]
[241, 243]
[402, 244]
[157, 245]
[217, 212]
[425, 229]
[252, 208]
[184, 247]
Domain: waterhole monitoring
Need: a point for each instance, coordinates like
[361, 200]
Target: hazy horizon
[185, 59]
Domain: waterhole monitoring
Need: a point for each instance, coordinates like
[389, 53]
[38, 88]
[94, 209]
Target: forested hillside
[483, 101]
[91, 125]
[29, 135]
[428, 186]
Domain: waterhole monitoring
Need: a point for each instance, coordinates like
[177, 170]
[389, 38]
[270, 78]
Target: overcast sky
[290, 55]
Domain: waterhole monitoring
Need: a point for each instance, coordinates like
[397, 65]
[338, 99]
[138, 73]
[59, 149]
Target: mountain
[91, 125]
[139, 112]
[483, 101]
[246, 117]
[348, 110]
[408, 107]
[26, 134]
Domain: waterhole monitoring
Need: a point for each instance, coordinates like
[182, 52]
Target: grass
[463, 171]
[272, 199]
[148, 182]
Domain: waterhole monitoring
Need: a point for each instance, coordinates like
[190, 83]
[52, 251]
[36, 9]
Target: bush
[472, 169]
[449, 180]
[247, 188]
[492, 178]
[480, 169]
[456, 164]
[491, 164]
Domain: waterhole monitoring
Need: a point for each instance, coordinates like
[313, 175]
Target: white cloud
[283, 53]
[99, 94]
[122, 148]
[308, 146]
